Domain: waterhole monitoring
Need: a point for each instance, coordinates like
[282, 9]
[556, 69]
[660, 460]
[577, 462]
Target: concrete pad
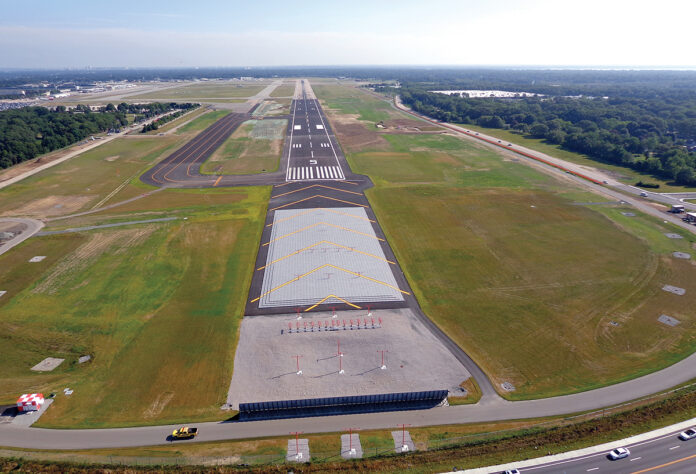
[350, 446]
[36, 259]
[25, 419]
[668, 320]
[403, 442]
[48, 364]
[296, 447]
[674, 289]
[674, 236]
[265, 369]
[684, 255]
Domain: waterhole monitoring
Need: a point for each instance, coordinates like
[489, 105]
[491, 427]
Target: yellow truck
[184, 432]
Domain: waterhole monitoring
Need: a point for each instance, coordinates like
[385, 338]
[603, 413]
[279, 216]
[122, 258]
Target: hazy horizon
[506, 33]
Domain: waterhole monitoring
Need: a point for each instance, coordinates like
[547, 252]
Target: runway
[310, 153]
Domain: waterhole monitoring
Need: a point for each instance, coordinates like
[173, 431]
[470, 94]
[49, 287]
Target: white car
[618, 453]
[644, 194]
[688, 434]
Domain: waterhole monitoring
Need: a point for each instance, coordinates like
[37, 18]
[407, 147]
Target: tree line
[156, 124]
[649, 134]
[32, 131]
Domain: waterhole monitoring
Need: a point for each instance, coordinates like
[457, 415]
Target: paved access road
[32, 226]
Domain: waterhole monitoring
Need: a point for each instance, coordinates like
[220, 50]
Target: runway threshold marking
[217, 181]
[297, 278]
[332, 296]
[323, 223]
[330, 243]
[318, 196]
[316, 186]
[665, 464]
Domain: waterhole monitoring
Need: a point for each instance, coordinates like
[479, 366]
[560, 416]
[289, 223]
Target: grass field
[85, 180]
[206, 90]
[248, 150]
[625, 175]
[286, 90]
[157, 306]
[540, 277]
[352, 101]
[202, 122]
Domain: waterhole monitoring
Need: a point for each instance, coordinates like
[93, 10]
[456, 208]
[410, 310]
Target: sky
[202, 33]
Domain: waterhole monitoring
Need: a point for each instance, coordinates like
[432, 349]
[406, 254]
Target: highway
[661, 451]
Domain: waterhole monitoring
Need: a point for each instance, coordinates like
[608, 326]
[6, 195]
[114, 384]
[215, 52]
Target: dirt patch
[158, 405]
[51, 206]
[119, 241]
[112, 158]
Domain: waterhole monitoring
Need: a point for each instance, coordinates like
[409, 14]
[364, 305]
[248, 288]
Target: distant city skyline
[175, 33]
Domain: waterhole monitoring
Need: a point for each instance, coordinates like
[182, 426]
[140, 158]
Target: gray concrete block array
[314, 253]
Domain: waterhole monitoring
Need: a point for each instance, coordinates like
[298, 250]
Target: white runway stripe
[308, 173]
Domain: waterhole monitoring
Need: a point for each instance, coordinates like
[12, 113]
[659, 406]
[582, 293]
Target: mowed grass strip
[158, 308]
[543, 290]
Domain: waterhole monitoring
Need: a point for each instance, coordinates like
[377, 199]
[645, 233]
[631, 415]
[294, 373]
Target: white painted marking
[298, 127]
[310, 145]
[320, 173]
[331, 172]
[312, 154]
[312, 162]
[593, 469]
[311, 173]
[635, 459]
[673, 447]
[320, 127]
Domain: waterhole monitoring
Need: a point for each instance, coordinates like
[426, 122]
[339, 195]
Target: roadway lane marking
[592, 469]
[636, 459]
[312, 154]
[665, 464]
[673, 447]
